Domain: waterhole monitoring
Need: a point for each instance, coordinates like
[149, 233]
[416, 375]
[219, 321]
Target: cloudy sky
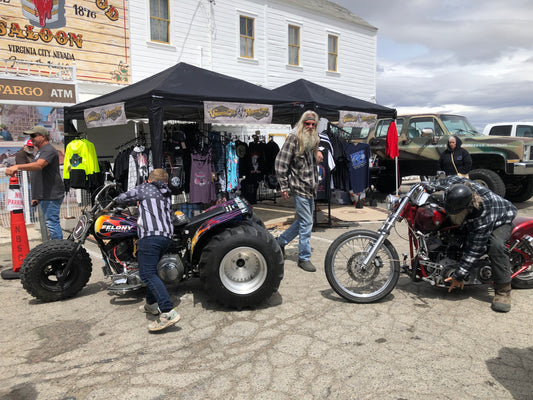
[473, 58]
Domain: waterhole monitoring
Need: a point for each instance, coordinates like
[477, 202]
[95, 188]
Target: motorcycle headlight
[392, 202]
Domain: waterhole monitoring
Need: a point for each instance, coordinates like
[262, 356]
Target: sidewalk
[281, 213]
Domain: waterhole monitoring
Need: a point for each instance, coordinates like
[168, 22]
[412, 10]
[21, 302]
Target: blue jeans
[151, 249]
[51, 215]
[302, 226]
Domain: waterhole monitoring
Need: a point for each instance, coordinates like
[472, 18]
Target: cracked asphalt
[304, 343]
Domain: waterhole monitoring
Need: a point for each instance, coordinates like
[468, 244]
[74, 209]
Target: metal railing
[74, 202]
[43, 70]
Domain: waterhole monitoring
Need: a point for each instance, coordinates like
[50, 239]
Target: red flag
[391, 146]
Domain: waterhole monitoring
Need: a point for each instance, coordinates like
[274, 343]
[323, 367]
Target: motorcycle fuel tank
[115, 226]
[429, 218]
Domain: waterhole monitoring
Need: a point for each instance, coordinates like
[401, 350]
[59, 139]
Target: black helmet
[457, 199]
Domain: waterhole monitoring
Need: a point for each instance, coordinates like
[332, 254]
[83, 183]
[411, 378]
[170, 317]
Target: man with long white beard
[296, 170]
[487, 218]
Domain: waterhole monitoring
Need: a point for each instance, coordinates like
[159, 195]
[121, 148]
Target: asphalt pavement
[305, 342]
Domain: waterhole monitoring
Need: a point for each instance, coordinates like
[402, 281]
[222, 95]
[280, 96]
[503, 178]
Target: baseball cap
[28, 142]
[37, 129]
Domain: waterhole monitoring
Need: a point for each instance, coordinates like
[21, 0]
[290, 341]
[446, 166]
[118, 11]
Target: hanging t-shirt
[257, 161]
[140, 166]
[325, 183]
[202, 187]
[358, 166]
[232, 165]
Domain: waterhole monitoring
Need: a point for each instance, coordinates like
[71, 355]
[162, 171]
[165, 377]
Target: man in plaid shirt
[487, 218]
[296, 169]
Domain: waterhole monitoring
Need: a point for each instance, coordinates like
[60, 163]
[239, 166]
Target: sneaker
[150, 309]
[164, 321]
[306, 265]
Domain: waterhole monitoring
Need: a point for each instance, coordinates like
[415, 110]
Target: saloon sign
[91, 33]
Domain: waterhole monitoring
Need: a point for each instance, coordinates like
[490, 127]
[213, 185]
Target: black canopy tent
[176, 93]
[325, 102]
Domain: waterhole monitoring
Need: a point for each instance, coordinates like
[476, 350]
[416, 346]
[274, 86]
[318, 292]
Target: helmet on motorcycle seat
[458, 198]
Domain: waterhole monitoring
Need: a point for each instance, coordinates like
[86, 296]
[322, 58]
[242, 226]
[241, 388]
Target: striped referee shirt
[296, 171]
[495, 211]
[155, 208]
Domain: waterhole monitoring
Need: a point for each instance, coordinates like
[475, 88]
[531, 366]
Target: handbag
[458, 173]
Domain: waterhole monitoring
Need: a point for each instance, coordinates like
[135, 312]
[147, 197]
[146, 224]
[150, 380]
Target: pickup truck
[503, 164]
[518, 129]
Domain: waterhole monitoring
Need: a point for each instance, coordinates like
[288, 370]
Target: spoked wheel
[525, 279]
[44, 265]
[349, 279]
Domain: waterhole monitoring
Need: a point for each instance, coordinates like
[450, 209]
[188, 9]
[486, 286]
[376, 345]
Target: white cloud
[472, 58]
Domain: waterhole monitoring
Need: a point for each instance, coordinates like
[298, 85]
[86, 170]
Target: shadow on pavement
[513, 369]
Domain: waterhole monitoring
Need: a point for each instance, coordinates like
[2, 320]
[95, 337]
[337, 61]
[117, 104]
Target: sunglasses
[311, 124]
[33, 135]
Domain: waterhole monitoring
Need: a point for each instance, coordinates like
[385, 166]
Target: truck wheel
[519, 189]
[489, 179]
[241, 266]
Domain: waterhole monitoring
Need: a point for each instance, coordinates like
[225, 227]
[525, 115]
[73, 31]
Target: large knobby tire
[256, 220]
[39, 269]
[345, 275]
[242, 266]
[489, 179]
[519, 189]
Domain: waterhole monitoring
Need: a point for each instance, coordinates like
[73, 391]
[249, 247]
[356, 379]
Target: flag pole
[397, 184]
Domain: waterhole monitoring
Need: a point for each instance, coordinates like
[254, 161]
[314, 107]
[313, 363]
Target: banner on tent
[110, 114]
[216, 112]
[357, 119]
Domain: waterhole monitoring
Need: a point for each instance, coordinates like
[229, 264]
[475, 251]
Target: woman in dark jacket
[455, 154]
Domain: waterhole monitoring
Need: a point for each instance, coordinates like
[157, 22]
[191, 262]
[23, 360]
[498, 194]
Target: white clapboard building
[266, 42]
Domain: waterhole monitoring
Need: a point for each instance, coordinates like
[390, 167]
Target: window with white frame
[246, 37]
[333, 52]
[294, 45]
[159, 21]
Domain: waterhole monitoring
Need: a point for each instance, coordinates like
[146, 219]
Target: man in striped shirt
[487, 218]
[155, 235]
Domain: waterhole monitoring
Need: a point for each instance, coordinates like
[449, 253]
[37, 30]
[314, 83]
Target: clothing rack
[328, 195]
[140, 140]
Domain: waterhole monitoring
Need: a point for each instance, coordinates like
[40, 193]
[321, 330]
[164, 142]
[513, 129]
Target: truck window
[382, 128]
[417, 124]
[524, 130]
[500, 130]
[458, 125]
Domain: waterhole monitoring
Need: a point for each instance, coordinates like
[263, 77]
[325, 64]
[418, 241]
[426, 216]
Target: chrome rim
[243, 270]
[347, 271]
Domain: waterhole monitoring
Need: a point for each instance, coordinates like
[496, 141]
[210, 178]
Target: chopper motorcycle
[227, 247]
[363, 266]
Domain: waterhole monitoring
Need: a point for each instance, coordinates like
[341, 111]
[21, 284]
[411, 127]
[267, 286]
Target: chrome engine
[170, 268]
[439, 253]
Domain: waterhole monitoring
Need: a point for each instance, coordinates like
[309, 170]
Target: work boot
[306, 265]
[502, 297]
